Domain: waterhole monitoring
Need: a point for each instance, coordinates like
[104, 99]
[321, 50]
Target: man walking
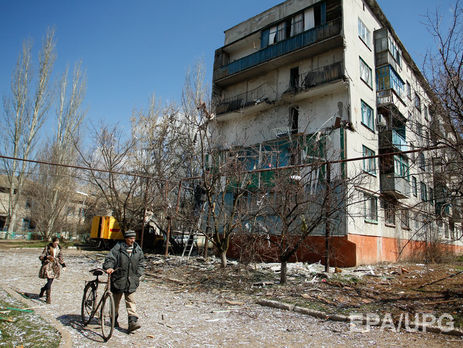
[126, 263]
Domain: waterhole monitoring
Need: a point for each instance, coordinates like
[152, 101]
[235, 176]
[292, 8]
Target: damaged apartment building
[337, 69]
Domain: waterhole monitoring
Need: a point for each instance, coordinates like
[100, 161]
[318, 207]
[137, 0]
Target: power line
[145, 176]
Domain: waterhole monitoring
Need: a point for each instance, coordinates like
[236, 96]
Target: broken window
[294, 120]
[405, 219]
[389, 213]
[272, 35]
[297, 24]
[294, 78]
[281, 32]
[292, 26]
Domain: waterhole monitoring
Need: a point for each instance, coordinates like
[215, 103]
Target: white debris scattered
[184, 319]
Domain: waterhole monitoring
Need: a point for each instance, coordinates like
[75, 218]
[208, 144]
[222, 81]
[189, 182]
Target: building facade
[73, 215]
[336, 69]
[24, 217]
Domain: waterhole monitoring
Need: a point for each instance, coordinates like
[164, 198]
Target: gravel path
[174, 318]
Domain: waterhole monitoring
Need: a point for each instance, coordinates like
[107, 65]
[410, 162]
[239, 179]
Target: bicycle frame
[91, 304]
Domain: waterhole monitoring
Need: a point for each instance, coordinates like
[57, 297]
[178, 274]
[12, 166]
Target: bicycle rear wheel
[88, 303]
[108, 315]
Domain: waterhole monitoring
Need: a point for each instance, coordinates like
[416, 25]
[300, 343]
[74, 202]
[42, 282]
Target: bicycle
[106, 304]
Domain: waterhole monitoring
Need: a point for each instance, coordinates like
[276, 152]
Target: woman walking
[51, 260]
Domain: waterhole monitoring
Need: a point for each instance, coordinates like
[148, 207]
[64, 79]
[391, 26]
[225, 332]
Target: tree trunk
[206, 243]
[12, 222]
[223, 259]
[283, 272]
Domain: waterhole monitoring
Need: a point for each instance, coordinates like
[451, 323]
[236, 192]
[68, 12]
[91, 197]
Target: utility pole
[144, 215]
[166, 253]
[327, 217]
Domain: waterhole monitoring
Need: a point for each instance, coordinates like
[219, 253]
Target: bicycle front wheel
[88, 303]
[108, 316]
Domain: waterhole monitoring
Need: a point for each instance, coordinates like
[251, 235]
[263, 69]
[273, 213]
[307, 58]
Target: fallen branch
[440, 302]
[344, 318]
[439, 280]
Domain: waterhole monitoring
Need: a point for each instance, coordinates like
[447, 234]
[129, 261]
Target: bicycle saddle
[97, 271]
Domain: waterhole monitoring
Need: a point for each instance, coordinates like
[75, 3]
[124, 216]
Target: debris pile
[393, 288]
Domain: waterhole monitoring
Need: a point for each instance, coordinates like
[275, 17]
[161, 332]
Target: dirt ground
[194, 303]
[395, 288]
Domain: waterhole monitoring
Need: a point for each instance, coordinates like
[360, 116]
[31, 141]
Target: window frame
[370, 162]
[388, 79]
[370, 215]
[424, 191]
[417, 102]
[405, 219]
[389, 211]
[394, 50]
[422, 161]
[401, 163]
[364, 33]
[370, 122]
[297, 25]
[364, 65]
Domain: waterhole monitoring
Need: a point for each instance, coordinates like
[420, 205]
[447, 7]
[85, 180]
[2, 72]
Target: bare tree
[215, 212]
[25, 111]
[160, 133]
[443, 67]
[226, 187]
[122, 193]
[54, 186]
[297, 196]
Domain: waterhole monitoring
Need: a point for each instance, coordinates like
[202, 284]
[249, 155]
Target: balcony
[386, 51]
[391, 139]
[397, 187]
[241, 101]
[317, 77]
[386, 58]
[389, 99]
[280, 50]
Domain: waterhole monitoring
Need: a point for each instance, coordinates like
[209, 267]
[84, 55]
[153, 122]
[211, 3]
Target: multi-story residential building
[307, 67]
[24, 219]
[73, 220]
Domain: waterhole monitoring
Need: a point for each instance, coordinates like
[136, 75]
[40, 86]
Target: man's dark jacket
[128, 270]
